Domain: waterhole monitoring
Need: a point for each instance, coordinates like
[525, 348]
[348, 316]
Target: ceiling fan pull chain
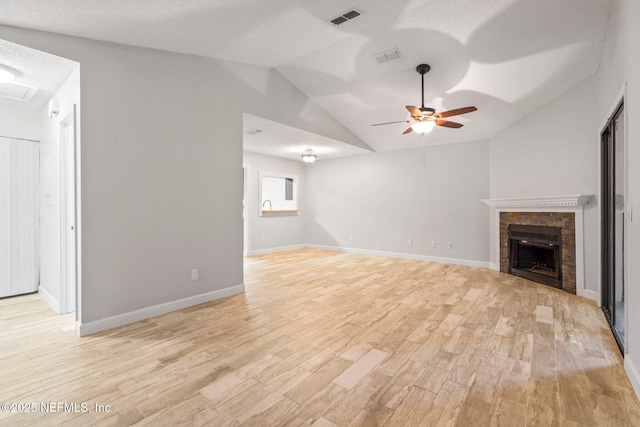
[424, 150]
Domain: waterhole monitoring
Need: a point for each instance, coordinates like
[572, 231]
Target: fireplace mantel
[567, 203]
[557, 203]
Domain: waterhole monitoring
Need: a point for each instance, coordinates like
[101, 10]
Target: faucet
[263, 203]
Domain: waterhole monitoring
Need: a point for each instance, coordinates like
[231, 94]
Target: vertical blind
[19, 216]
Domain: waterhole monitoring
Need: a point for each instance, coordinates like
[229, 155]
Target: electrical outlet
[433, 243]
[450, 245]
[194, 274]
[351, 237]
[410, 242]
[263, 239]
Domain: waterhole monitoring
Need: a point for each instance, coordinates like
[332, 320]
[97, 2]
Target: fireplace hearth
[535, 253]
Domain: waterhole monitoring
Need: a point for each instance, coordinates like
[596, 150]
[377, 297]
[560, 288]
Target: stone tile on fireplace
[564, 220]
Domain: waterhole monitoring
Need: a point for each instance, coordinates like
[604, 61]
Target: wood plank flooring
[329, 339]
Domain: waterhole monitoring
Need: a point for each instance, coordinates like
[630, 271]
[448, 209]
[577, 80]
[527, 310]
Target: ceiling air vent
[346, 16]
[390, 55]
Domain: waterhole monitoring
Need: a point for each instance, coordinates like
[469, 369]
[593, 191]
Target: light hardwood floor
[324, 338]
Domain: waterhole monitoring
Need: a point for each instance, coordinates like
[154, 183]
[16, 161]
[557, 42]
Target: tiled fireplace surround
[555, 211]
[564, 220]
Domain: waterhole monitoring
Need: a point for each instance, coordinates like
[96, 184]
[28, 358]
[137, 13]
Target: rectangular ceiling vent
[346, 17]
[390, 55]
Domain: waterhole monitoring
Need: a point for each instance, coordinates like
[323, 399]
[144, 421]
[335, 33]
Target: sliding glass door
[613, 224]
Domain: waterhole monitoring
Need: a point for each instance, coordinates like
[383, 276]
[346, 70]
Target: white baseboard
[441, 260]
[145, 313]
[588, 293]
[49, 299]
[277, 249]
[494, 266]
[632, 373]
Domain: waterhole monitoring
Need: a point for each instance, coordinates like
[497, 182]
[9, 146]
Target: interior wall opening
[41, 104]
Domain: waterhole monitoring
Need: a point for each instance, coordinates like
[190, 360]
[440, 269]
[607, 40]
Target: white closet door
[19, 216]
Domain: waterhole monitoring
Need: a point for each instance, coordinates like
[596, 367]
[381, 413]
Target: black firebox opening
[535, 253]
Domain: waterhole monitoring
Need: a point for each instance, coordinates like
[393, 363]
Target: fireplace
[543, 226]
[535, 253]
[565, 212]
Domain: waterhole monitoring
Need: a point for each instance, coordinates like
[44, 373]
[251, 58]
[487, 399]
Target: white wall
[384, 199]
[67, 95]
[161, 171]
[551, 152]
[620, 65]
[19, 123]
[279, 231]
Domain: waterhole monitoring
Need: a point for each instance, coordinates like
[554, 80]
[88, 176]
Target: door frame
[619, 102]
[246, 209]
[68, 217]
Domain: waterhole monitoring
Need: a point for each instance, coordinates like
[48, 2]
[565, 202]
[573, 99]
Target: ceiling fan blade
[457, 111]
[389, 123]
[409, 130]
[448, 124]
[415, 111]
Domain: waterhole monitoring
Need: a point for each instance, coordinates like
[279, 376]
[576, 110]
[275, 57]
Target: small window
[288, 188]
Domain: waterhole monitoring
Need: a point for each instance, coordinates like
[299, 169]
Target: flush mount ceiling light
[7, 74]
[308, 156]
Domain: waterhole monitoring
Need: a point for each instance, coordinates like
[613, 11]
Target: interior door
[613, 206]
[19, 216]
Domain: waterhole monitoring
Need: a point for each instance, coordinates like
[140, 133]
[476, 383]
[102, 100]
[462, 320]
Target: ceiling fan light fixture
[423, 127]
[308, 156]
[424, 119]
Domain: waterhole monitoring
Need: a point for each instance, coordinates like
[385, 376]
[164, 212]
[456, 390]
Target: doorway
[613, 224]
[51, 117]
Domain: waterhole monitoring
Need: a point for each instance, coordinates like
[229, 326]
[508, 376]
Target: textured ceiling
[42, 72]
[507, 57]
[264, 136]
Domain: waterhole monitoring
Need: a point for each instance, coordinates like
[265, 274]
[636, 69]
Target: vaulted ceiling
[507, 57]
